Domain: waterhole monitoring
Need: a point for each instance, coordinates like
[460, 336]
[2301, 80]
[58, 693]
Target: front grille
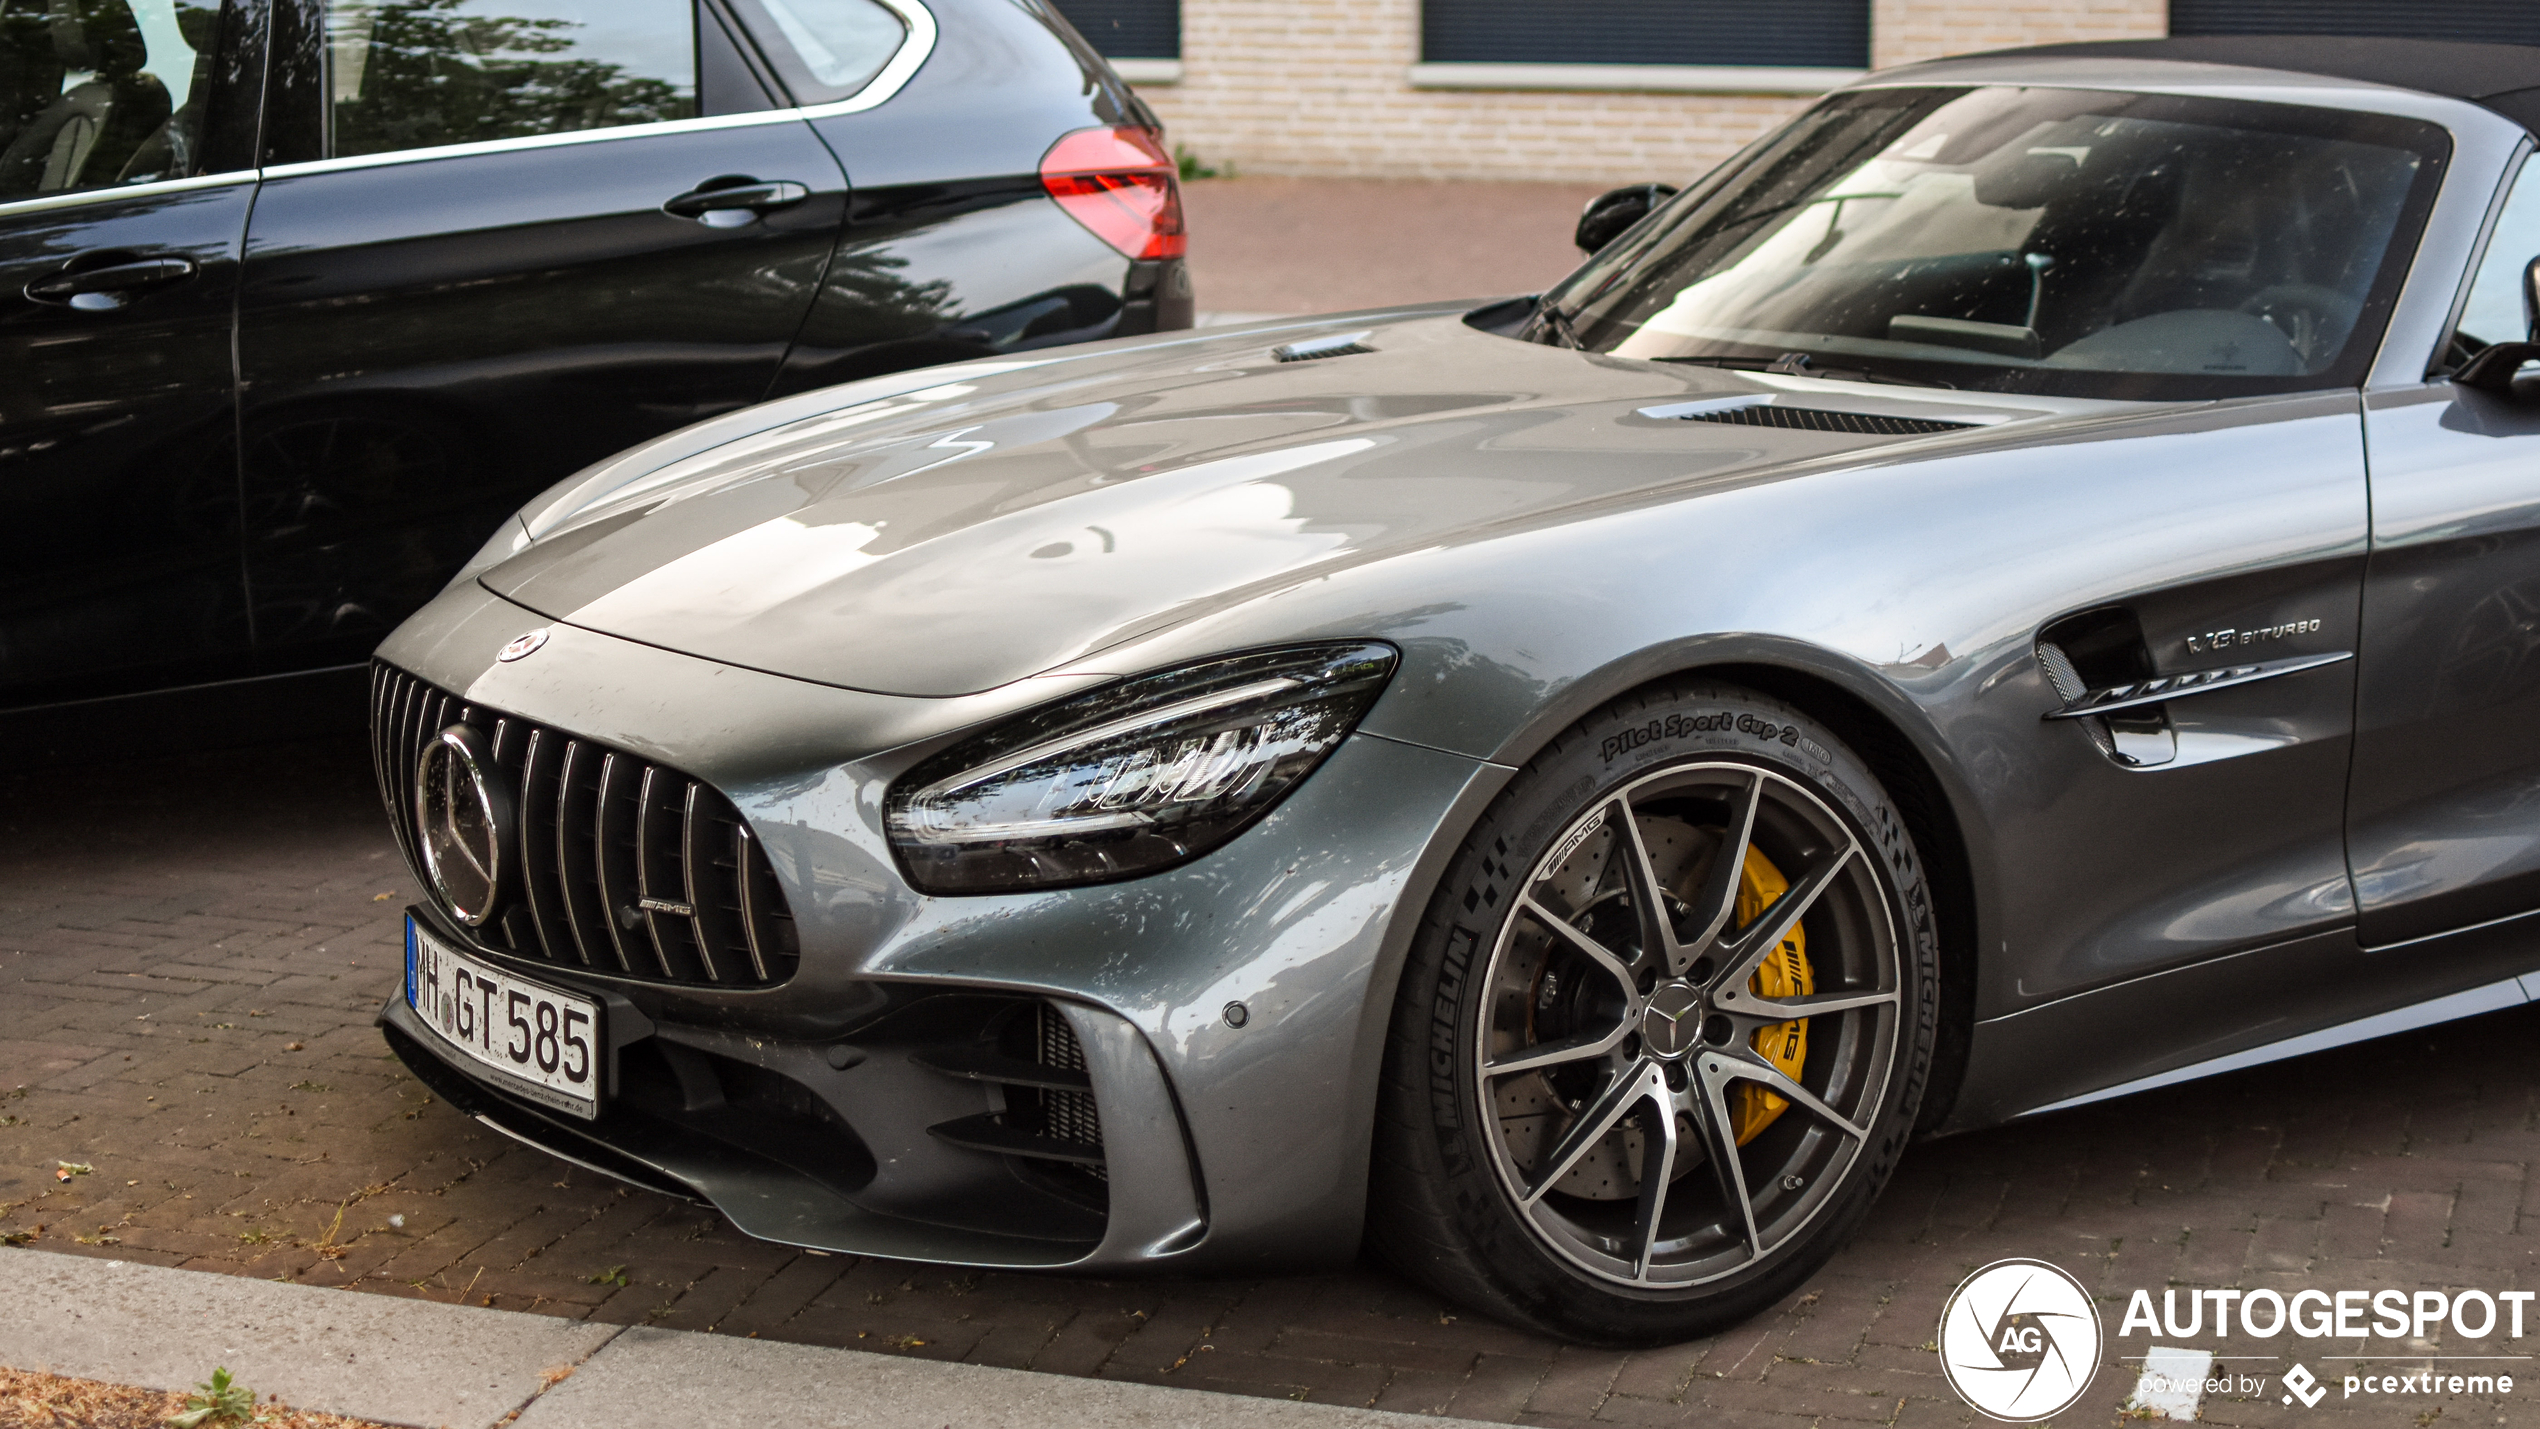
[1813, 419]
[623, 866]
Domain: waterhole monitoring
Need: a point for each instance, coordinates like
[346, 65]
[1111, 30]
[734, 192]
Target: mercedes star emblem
[1672, 1021]
[463, 822]
[524, 646]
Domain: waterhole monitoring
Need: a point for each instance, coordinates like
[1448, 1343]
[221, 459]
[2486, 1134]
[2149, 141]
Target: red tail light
[1121, 184]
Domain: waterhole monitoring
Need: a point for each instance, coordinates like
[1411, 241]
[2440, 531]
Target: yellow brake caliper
[1784, 973]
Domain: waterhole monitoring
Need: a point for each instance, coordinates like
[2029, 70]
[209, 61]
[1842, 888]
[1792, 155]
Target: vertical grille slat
[611, 852]
[382, 690]
[576, 875]
[692, 856]
[652, 888]
[539, 881]
[409, 719]
[743, 846]
[601, 834]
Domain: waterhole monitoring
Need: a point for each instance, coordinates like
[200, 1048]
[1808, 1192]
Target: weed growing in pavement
[614, 1275]
[326, 1246]
[221, 1401]
[1192, 168]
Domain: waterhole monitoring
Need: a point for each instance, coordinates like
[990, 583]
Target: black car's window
[2495, 309]
[2069, 241]
[418, 74]
[826, 49]
[97, 93]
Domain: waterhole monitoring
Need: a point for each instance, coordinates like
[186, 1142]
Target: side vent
[1813, 419]
[1046, 1117]
[1348, 344]
[2103, 648]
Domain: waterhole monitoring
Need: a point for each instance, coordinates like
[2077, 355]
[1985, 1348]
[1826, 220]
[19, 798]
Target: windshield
[2073, 242]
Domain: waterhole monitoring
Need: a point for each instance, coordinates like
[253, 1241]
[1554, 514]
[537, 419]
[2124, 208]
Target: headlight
[1133, 777]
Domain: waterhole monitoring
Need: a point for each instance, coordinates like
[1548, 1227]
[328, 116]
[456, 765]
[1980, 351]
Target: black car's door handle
[109, 285]
[722, 201]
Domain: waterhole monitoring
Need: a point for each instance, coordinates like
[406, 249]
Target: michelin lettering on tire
[2020, 1341]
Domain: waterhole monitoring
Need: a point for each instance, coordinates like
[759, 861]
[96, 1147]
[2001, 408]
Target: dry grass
[48, 1401]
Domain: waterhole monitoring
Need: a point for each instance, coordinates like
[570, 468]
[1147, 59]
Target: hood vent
[1814, 419]
[1348, 344]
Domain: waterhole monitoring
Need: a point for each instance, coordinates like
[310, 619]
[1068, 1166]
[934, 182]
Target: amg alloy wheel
[1666, 1025]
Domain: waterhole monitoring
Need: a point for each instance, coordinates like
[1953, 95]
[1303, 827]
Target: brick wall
[1318, 87]
[1903, 31]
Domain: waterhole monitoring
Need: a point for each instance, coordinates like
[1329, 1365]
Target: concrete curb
[416, 1362]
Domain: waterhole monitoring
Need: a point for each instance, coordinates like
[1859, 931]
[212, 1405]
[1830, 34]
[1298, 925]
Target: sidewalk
[413, 1362]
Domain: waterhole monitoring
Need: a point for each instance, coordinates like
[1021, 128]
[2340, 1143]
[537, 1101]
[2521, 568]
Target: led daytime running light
[1096, 735]
[1132, 778]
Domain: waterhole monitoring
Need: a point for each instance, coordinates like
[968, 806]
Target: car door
[2444, 816]
[126, 172]
[498, 240]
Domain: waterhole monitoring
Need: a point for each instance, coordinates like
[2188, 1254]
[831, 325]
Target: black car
[299, 299]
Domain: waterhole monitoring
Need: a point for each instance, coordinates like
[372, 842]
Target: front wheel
[1664, 1029]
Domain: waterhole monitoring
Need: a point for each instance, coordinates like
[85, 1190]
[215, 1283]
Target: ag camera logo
[2019, 1341]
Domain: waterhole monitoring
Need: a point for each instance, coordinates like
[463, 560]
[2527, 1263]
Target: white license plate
[541, 1043]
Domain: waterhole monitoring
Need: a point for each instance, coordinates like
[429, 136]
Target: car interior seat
[30, 72]
[84, 136]
[172, 152]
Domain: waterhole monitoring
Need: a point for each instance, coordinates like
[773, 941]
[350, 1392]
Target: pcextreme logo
[2019, 1341]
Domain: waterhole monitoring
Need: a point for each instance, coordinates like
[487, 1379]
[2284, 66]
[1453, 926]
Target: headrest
[199, 24]
[100, 36]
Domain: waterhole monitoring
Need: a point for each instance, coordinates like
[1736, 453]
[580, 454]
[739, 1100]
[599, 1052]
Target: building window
[1128, 29]
[2493, 22]
[1815, 34]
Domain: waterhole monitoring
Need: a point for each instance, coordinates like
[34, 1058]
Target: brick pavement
[190, 953]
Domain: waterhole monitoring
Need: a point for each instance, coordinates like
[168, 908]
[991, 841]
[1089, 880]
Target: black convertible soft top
[2504, 78]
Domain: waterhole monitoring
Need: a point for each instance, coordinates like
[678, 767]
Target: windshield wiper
[1550, 318]
[1804, 366]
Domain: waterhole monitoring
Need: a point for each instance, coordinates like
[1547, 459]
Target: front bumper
[755, 1128]
[816, 1111]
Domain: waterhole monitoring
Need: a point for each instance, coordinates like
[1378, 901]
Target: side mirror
[2531, 300]
[1609, 213]
[2493, 369]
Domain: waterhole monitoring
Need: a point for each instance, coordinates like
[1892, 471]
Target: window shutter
[2494, 22]
[1832, 34]
[1128, 29]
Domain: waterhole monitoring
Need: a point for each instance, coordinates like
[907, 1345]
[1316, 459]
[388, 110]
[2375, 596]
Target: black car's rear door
[2444, 815]
[497, 240]
[126, 171]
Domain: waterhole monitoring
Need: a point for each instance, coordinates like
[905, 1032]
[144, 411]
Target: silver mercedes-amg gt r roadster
[2021, 587]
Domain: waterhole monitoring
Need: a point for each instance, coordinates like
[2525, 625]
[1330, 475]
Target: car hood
[1008, 519]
